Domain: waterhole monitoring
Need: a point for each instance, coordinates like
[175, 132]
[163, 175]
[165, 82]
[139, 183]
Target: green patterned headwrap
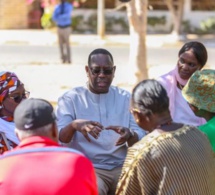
[200, 90]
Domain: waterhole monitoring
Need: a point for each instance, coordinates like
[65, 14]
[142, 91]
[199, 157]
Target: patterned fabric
[200, 90]
[8, 83]
[177, 162]
[5, 144]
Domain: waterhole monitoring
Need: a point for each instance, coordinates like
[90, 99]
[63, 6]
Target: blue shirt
[111, 108]
[63, 14]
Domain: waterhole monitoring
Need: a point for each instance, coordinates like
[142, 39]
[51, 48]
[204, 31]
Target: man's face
[100, 73]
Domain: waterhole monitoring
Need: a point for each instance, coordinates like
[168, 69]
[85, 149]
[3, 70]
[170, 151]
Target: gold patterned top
[180, 162]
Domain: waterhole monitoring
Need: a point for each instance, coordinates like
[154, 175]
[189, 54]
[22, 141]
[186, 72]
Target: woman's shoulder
[156, 139]
[145, 144]
[166, 79]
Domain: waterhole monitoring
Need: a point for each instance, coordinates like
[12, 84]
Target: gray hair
[41, 131]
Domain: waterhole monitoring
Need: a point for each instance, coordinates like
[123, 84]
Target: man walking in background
[62, 16]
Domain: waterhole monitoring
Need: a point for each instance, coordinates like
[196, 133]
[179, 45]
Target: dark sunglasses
[97, 71]
[18, 98]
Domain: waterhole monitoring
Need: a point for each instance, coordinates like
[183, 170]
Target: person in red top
[38, 165]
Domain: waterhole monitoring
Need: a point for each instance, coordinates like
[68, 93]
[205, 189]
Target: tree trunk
[101, 19]
[137, 17]
[177, 15]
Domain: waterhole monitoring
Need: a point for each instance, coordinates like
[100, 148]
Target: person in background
[192, 57]
[12, 92]
[95, 120]
[199, 92]
[38, 165]
[174, 158]
[62, 16]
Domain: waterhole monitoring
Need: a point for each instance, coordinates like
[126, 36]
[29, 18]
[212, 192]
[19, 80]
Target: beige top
[180, 162]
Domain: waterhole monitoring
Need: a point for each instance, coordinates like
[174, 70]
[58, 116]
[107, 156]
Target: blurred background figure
[62, 16]
[174, 158]
[38, 165]
[192, 56]
[200, 94]
[12, 92]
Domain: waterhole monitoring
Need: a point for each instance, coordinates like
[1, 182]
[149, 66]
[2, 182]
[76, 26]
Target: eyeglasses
[18, 98]
[97, 71]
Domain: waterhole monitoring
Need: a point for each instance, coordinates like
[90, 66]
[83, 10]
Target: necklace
[180, 86]
[165, 124]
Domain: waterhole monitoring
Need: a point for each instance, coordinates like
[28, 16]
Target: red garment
[46, 172]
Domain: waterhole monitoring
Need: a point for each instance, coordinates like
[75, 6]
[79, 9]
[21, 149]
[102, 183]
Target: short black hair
[199, 51]
[99, 51]
[150, 96]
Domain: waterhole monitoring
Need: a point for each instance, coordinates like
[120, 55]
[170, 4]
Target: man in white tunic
[95, 120]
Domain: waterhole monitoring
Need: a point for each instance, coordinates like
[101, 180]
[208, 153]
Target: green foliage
[76, 22]
[46, 20]
[111, 23]
[152, 21]
[92, 22]
[186, 27]
[89, 25]
[208, 25]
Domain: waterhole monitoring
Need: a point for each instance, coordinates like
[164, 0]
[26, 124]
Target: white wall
[195, 17]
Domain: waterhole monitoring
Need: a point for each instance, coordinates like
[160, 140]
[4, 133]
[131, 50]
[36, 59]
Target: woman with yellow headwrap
[12, 92]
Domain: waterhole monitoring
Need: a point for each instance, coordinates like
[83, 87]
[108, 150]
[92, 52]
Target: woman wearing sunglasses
[12, 92]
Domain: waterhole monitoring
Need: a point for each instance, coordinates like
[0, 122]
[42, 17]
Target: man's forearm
[67, 133]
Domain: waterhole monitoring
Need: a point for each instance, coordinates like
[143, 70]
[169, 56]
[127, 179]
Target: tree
[101, 19]
[137, 17]
[177, 15]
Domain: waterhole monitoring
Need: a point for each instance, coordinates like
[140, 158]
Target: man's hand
[123, 131]
[88, 127]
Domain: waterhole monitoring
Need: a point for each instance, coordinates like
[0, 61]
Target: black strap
[35, 150]
[62, 8]
[65, 26]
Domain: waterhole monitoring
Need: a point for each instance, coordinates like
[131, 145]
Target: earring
[137, 120]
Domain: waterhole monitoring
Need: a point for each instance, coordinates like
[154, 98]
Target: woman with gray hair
[174, 158]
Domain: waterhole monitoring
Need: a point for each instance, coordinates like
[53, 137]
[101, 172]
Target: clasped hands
[94, 128]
